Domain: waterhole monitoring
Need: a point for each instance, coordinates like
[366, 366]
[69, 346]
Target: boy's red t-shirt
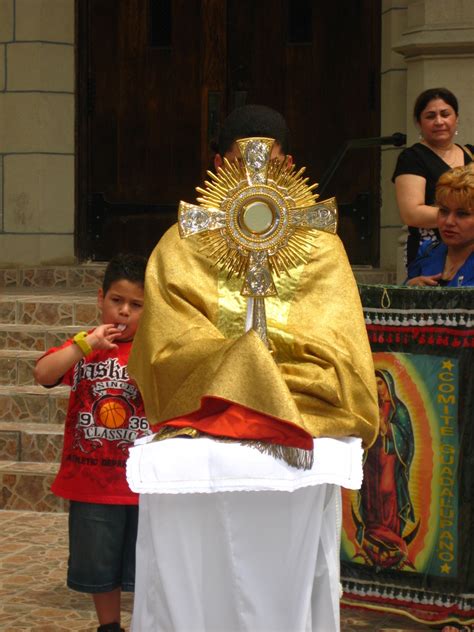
[105, 415]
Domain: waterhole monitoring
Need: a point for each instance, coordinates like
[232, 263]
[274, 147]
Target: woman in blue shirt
[450, 262]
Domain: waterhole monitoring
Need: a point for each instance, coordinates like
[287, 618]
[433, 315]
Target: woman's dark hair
[126, 267]
[434, 93]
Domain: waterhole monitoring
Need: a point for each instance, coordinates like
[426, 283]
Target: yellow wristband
[80, 340]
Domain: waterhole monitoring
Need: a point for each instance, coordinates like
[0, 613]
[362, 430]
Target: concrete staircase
[39, 308]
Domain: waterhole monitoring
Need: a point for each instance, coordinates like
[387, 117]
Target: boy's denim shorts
[102, 540]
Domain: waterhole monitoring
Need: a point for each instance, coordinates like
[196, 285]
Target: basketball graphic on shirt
[112, 413]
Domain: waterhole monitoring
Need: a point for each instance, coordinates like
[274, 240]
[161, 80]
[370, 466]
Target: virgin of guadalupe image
[385, 509]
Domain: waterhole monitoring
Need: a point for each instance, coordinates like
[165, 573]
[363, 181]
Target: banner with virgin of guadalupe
[408, 534]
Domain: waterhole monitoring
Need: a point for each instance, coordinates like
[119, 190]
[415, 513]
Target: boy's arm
[50, 368]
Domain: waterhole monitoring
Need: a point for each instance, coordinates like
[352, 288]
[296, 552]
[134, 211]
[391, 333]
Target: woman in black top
[419, 167]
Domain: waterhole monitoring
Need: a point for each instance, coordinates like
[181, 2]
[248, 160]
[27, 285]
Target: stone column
[37, 132]
[437, 48]
[393, 119]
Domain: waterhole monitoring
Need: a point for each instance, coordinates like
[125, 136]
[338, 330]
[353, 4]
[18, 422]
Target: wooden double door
[157, 77]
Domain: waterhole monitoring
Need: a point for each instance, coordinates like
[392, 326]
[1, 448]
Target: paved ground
[33, 595]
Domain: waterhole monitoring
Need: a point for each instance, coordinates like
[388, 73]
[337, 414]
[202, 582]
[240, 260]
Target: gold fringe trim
[296, 457]
[167, 432]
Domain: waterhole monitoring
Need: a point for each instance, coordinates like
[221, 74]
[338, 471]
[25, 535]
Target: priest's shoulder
[171, 240]
[328, 242]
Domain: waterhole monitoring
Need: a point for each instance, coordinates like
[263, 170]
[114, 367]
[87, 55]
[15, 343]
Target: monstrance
[256, 219]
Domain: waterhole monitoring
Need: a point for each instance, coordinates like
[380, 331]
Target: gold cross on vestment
[255, 219]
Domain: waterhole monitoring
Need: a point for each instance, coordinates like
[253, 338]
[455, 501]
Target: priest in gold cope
[252, 336]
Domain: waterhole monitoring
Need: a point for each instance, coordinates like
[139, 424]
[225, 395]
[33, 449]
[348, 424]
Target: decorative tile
[9, 445]
[86, 314]
[41, 447]
[8, 371]
[7, 311]
[44, 277]
[23, 406]
[86, 277]
[17, 338]
[9, 277]
[33, 592]
[58, 403]
[34, 337]
[24, 371]
[28, 491]
[39, 313]
[57, 338]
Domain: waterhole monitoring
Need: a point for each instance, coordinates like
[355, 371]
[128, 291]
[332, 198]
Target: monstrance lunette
[256, 219]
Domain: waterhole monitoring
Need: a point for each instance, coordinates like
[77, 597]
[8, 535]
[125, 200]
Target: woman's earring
[456, 133]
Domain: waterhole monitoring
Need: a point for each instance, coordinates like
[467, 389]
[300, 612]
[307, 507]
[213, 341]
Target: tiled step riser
[16, 445]
[16, 371]
[90, 276]
[32, 321]
[51, 314]
[22, 491]
[41, 448]
[41, 339]
[28, 408]
[81, 276]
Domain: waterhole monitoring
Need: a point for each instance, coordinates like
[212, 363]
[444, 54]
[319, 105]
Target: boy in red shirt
[105, 416]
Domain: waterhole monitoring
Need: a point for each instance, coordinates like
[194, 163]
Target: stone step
[23, 441]
[374, 276]
[25, 486]
[84, 275]
[16, 367]
[34, 404]
[56, 308]
[89, 275]
[34, 337]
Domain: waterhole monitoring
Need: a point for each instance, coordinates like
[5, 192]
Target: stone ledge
[26, 486]
[33, 404]
[19, 249]
[16, 366]
[374, 276]
[87, 275]
[28, 467]
[50, 309]
[436, 41]
[34, 337]
[30, 442]
[34, 389]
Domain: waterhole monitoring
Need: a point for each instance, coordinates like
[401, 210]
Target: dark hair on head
[434, 93]
[253, 120]
[126, 267]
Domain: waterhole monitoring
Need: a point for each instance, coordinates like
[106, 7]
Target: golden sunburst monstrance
[256, 219]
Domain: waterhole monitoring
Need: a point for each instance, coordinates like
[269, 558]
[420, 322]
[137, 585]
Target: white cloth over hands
[259, 560]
